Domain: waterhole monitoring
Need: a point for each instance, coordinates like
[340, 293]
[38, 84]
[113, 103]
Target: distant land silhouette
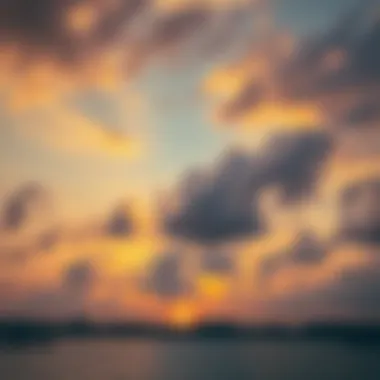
[21, 332]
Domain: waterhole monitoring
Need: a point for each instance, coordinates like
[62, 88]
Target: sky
[178, 161]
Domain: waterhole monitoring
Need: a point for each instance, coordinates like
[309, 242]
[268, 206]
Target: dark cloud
[307, 251]
[360, 212]
[42, 26]
[42, 29]
[365, 112]
[219, 262]
[165, 278]
[26, 200]
[336, 72]
[33, 23]
[217, 205]
[292, 162]
[120, 223]
[221, 203]
[79, 276]
[351, 45]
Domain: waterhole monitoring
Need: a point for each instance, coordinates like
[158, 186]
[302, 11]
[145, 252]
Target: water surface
[222, 360]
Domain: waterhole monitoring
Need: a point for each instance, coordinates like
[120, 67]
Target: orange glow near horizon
[213, 287]
[182, 314]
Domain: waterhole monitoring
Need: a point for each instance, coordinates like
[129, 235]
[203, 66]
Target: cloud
[360, 212]
[174, 27]
[306, 251]
[26, 201]
[21, 251]
[330, 80]
[64, 29]
[69, 300]
[77, 38]
[165, 278]
[49, 239]
[293, 161]
[216, 205]
[55, 50]
[365, 112]
[217, 262]
[79, 276]
[222, 202]
[120, 223]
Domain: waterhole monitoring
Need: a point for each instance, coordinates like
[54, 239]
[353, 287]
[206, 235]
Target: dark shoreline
[25, 332]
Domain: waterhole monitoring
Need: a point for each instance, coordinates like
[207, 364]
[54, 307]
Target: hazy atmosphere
[183, 161]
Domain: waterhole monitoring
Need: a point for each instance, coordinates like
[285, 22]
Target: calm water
[142, 360]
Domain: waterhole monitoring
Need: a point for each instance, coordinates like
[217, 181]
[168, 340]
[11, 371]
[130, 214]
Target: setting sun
[182, 314]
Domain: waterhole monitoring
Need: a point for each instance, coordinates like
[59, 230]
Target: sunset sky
[184, 160]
